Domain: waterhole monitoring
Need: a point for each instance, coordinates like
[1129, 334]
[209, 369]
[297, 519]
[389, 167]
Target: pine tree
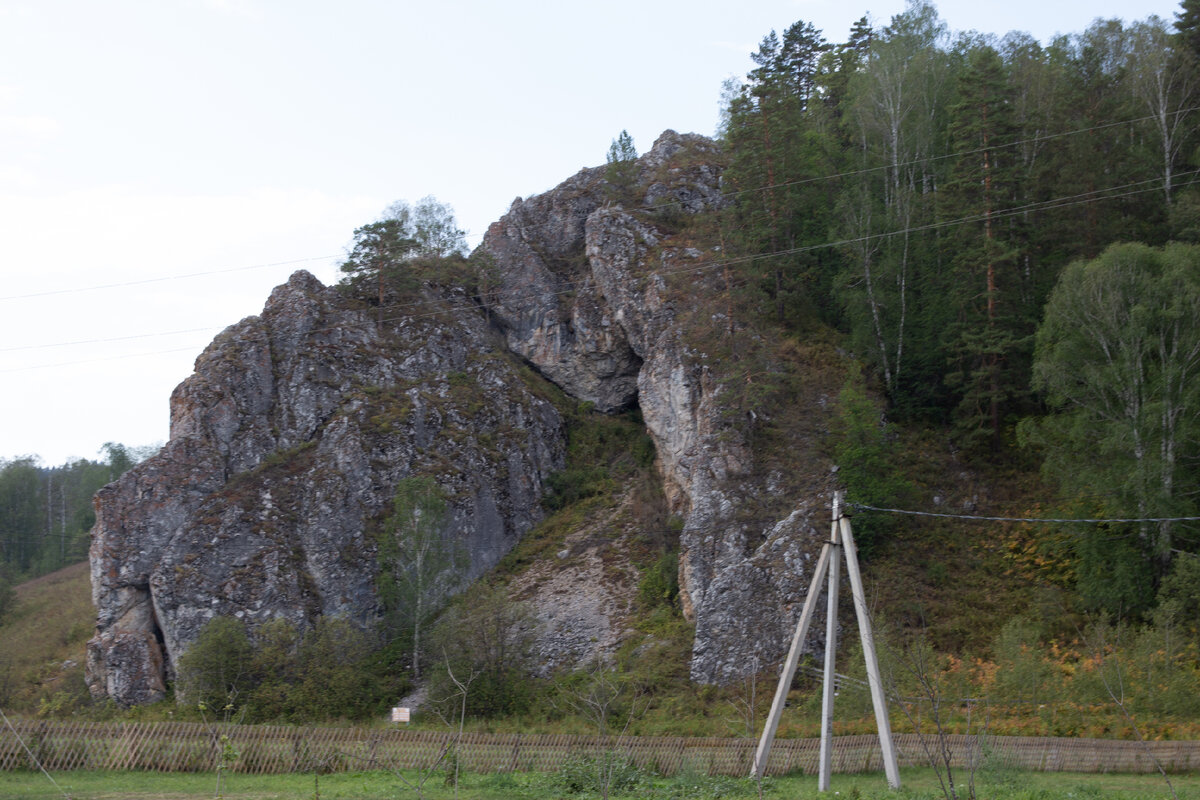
[985, 340]
[622, 164]
[1187, 26]
[779, 143]
[797, 61]
[840, 62]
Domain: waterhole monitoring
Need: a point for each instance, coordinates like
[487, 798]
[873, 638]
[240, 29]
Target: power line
[1064, 202]
[108, 340]
[644, 208]
[962, 153]
[1048, 520]
[1106, 193]
[162, 279]
[101, 360]
[1097, 195]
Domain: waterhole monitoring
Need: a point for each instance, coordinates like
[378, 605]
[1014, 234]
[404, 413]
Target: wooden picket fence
[194, 747]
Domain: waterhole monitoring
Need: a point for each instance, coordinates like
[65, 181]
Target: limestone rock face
[546, 302]
[286, 444]
[549, 300]
[289, 440]
[743, 572]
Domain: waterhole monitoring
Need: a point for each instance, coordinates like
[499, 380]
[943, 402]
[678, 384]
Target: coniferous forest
[46, 512]
[1006, 234]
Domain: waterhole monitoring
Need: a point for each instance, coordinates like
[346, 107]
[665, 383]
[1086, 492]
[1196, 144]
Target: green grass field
[918, 783]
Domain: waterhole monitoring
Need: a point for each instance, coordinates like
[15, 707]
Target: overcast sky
[165, 163]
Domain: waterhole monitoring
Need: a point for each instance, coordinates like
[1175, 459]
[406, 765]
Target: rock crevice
[743, 573]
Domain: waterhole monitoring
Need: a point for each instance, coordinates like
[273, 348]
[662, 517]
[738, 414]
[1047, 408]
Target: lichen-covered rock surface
[287, 444]
[289, 440]
[633, 296]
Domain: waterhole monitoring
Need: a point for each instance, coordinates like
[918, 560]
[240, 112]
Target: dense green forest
[46, 512]
[1005, 233]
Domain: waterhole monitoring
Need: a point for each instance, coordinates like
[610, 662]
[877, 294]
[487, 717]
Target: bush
[572, 485]
[659, 585]
[1022, 674]
[333, 681]
[866, 464]
[485, 640]
[8, 598]
[610, 772]
[333, 671]
[216, 668]
[1179, 594]
[692, 782]
[274, 666]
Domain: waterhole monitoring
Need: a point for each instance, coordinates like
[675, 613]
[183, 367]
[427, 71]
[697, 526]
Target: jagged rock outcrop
[289, 440]
[550, 303]
[744, 572]
[546, 301]
[286, 443]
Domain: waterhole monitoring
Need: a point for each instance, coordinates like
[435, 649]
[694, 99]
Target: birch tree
[1117, 357]
[417, 560]
[895, 105]
[1162, 79]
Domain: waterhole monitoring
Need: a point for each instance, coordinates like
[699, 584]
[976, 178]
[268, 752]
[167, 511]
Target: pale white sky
[145, 141]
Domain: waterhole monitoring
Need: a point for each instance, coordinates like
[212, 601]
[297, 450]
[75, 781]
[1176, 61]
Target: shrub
[485, 640]
[609, 772]
[866, 465]
[217, 667]
[8, 598]
[659, 585]
[333, 682]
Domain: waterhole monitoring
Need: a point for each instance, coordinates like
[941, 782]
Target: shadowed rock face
[547, 302]
[598, 306]
[288, 441]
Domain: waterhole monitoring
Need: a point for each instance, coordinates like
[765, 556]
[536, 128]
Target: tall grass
[43, 642]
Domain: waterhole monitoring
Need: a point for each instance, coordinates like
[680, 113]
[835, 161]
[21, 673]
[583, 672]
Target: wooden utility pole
[789, 666]
[878, 698]
[830, 678]
[841, 539]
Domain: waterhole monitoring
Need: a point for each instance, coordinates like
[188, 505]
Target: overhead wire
[162, 278]
[643, 208]
[437, 307]
[98, 360]
[1096, 195]
[111, 339]
[265, 543]
[960, 154]
[1047, 520]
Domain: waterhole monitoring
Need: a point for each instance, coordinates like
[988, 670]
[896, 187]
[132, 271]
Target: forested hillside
[46, 512]
[925, 193]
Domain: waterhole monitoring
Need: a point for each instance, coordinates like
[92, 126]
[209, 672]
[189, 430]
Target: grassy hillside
[43, 642]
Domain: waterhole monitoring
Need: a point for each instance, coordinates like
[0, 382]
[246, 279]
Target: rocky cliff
[623, 307]
[289, 440]
[286, 443]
